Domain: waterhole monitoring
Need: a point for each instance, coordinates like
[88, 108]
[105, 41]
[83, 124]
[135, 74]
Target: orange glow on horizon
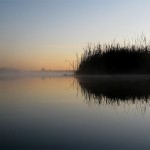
[51, 63]
[50, 58]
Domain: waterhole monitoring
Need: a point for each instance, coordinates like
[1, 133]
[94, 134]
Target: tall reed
[116, 58]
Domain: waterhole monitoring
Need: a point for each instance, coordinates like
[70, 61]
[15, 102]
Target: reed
[115, 58]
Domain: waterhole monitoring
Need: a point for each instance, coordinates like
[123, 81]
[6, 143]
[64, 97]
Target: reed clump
[115, 58]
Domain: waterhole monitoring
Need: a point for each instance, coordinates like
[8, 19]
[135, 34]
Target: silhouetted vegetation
[116, 59]
[115, 89]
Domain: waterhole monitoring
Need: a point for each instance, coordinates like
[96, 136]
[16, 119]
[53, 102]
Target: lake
[63, 112]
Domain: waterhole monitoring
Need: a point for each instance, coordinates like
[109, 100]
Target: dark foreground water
[68, 113]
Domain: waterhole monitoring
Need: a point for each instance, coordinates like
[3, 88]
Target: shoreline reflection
[115, 90]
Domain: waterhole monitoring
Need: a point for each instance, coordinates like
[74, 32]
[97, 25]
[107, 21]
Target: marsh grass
[115, 58]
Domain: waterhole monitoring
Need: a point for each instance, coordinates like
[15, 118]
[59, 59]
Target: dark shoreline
[115, 76]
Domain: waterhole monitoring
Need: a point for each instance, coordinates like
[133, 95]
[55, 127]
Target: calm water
[68, 113]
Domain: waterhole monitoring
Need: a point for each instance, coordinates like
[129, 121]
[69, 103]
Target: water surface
[67, 113]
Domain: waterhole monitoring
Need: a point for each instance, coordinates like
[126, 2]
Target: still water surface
[69, 113]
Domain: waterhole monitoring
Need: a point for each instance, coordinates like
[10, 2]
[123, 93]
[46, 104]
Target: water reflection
[115, 90]
[46, 114]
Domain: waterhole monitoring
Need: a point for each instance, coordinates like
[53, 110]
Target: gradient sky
[37, 34]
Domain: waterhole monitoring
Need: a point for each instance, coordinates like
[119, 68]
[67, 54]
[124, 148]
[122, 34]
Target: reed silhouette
[115, 89]
[116, 58]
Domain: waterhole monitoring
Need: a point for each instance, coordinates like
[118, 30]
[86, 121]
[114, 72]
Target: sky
[37, 34]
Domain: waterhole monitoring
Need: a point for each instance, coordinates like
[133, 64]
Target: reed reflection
[115, 89]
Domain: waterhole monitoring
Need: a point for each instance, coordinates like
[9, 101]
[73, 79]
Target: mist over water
[63, 112]
[33, 74]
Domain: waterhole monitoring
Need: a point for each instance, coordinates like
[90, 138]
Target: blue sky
[43, 33]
